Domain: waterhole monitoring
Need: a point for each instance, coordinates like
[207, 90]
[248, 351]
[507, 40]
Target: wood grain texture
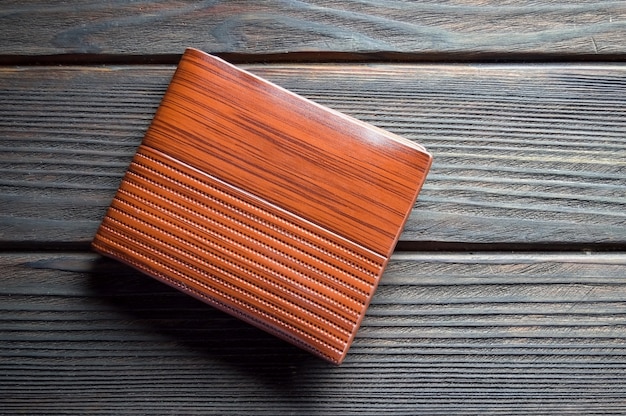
[433, 28]
[523, 155]
[446, 333]
[527, 157]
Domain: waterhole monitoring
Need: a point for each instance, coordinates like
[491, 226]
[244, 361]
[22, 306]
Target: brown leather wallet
[264, 204]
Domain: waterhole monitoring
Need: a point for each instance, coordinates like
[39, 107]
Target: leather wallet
[264, 204]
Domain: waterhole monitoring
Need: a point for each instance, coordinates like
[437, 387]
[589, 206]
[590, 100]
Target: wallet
[264, 204]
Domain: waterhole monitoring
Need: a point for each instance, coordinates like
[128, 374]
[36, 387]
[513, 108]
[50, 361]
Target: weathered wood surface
[523, 155]
[446, 333]
[527, 157]
[391, 29]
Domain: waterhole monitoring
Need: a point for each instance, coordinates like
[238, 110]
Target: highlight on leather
[263, 204]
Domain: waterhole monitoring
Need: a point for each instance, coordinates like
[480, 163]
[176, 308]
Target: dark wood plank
[434, 30]
[446, 334]
[523, 155]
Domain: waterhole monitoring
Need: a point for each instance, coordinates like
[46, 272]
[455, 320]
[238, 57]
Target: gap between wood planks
[402, 247]
[315, 57]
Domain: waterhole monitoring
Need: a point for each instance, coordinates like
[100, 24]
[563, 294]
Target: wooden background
[507, 291]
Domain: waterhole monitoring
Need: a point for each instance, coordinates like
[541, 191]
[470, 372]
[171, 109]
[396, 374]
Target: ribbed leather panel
[240, 253]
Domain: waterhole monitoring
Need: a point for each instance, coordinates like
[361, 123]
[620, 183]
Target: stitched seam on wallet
[234, 231]
[237, 266]
[302, 320]
[352, 253]
[326, 298]
[236, 311]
